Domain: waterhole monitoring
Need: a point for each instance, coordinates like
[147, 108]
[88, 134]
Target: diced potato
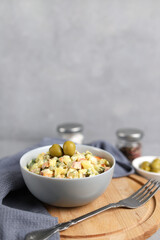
[72, 173]
[77, 156]
[82, 173]
[34, 166]
[93, 160]
[66, 159]
[94, 171]
[88, 156]
[40, 163]
[59, 171]
[86, 164]
[97, 167]
[40, 157]
[52, 162]
[47, 173]
[74, 157]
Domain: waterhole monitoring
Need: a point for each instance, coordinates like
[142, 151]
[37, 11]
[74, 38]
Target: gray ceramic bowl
[67, 192]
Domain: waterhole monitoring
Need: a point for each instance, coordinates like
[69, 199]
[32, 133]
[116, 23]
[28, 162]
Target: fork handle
[44, 234]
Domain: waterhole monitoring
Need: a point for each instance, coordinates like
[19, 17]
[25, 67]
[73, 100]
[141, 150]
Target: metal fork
[137, 199]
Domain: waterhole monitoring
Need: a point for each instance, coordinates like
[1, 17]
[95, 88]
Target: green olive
[155, 165]
[156, 160]
[155, 170]
[69, 148]
[145, 166]
[56, 150]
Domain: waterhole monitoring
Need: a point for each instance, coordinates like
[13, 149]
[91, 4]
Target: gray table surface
[11, 147]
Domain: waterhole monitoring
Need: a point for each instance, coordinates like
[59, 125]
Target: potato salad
[78, 165]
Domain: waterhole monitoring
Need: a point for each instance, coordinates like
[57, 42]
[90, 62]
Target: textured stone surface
[95, 62]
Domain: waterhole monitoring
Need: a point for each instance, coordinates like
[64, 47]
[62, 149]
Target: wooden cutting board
[113, 224]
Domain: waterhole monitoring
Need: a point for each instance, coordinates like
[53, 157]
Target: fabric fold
[20, 211]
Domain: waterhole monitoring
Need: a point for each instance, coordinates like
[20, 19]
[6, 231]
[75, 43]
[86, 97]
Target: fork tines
[147, 191]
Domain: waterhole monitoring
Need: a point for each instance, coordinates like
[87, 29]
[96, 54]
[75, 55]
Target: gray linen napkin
[20, 212]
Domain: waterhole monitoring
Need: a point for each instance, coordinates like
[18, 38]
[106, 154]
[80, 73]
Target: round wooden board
[114, 224]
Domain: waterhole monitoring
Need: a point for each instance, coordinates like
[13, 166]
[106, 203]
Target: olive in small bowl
[147, 166]
[155, 165]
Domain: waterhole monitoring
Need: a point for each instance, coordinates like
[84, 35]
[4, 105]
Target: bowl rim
[141, 170]
[66, 179]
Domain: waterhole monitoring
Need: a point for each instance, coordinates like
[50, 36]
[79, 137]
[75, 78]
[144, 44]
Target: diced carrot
[47, 174]
[45, 164]
[82, 159]
[61, 159]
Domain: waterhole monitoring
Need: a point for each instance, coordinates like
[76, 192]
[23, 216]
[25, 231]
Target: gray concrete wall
[96, 62]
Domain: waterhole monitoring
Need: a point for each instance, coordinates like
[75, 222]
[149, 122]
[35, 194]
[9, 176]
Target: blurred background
[95, 62]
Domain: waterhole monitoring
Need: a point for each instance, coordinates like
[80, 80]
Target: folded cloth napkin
[20, 212]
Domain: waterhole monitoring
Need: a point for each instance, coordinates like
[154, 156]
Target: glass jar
[129, 142]
[71, 132]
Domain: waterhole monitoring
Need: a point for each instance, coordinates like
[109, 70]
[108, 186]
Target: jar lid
[129, 134]
[70, 128]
